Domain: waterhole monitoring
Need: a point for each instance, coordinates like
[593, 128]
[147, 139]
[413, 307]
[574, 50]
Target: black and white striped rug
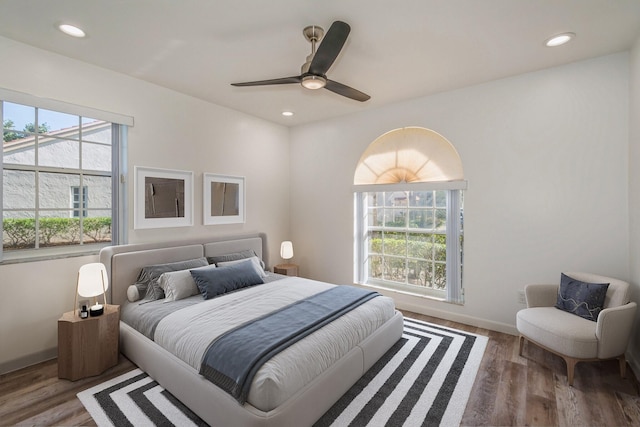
[423, 380]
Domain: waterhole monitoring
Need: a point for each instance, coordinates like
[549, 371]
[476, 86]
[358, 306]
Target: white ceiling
[397, 50]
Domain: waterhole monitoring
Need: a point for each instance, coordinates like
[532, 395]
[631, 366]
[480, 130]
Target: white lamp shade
[92, 280]
[286, 250]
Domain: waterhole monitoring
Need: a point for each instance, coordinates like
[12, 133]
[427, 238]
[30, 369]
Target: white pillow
[133, 294]
[178, 284]
[255, 261]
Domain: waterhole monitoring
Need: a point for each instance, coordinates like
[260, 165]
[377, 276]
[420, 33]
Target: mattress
[186, 327]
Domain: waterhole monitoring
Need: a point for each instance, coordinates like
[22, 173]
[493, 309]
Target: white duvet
[188, 332]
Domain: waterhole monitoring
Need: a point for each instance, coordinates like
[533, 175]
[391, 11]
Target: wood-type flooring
[509, 390]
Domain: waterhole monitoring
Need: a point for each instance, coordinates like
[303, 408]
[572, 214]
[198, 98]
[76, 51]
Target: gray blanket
[232, 360]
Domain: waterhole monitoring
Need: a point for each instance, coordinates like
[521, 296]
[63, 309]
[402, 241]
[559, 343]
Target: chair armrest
[614, 329]
[541, 295]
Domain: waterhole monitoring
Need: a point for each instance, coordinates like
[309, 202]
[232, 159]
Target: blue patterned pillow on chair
[581, 298]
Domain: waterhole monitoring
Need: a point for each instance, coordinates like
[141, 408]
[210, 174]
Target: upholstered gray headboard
[124, 262]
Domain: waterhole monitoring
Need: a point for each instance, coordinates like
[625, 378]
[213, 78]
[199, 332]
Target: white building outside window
[60, 179]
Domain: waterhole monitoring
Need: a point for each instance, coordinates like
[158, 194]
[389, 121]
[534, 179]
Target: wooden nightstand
[286, 269]
[88, 347]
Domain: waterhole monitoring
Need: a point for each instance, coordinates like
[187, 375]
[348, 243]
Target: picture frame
[162, 198]
[223, 199]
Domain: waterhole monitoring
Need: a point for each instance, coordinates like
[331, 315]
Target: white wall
[171, 131]
[545, 156]
[634, 194]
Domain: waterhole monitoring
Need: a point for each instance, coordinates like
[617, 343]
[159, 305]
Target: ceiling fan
[313, 73]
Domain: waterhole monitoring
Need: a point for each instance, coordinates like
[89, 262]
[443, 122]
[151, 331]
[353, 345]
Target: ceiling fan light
[314, 82]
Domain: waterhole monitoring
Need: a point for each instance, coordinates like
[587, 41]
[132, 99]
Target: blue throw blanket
[232, 360]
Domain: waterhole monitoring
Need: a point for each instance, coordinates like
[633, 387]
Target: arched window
[411, 154]
[408, 198]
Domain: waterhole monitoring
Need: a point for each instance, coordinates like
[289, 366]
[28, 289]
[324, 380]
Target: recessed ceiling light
[71, 30]
[287, 113]
[559, 39]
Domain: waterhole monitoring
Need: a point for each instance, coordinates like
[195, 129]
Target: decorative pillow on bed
[581, 298]
[234, 257]
[150, 274]
[254, 260]
[133, 292]
[218, 281]
[179, 284]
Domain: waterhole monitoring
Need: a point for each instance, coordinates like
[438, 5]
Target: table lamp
[92, 281]
[286, 250]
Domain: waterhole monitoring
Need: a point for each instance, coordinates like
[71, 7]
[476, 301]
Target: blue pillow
[581, 298]
[218, 281]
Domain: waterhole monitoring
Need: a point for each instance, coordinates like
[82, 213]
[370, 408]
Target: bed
[296, 404]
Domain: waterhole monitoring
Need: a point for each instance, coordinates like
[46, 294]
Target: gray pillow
[234, 256]
[150, 274]
[178, 284]
[218, 281]
[581, 298]
[254, 260]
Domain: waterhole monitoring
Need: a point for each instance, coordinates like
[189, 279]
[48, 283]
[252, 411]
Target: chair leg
[623, 366]
[571, 364]
[570, 361]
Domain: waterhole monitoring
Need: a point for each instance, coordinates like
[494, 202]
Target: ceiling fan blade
[329, 48]
[347, 91]
[282, 81]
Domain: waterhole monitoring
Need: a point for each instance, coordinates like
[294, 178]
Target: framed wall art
[162, 198]
[223, 199]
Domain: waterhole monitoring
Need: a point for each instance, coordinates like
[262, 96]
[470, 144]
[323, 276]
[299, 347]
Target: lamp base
[96, 310]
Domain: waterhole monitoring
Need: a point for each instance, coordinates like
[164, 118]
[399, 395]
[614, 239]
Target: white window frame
[454, 291]
[120, 123]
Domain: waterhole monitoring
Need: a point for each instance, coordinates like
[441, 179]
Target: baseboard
[414, 303]
[26, 361]
[460, 318]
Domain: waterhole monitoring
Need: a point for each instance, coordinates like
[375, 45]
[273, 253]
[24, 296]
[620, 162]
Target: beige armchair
[572, 337]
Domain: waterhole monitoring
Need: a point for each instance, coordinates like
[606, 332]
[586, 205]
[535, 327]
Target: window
[409, 213]
[78, 204]
[411, 240]
[53, 160]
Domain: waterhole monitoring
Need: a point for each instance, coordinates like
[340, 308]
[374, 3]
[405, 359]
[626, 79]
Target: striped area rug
[423, 380]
